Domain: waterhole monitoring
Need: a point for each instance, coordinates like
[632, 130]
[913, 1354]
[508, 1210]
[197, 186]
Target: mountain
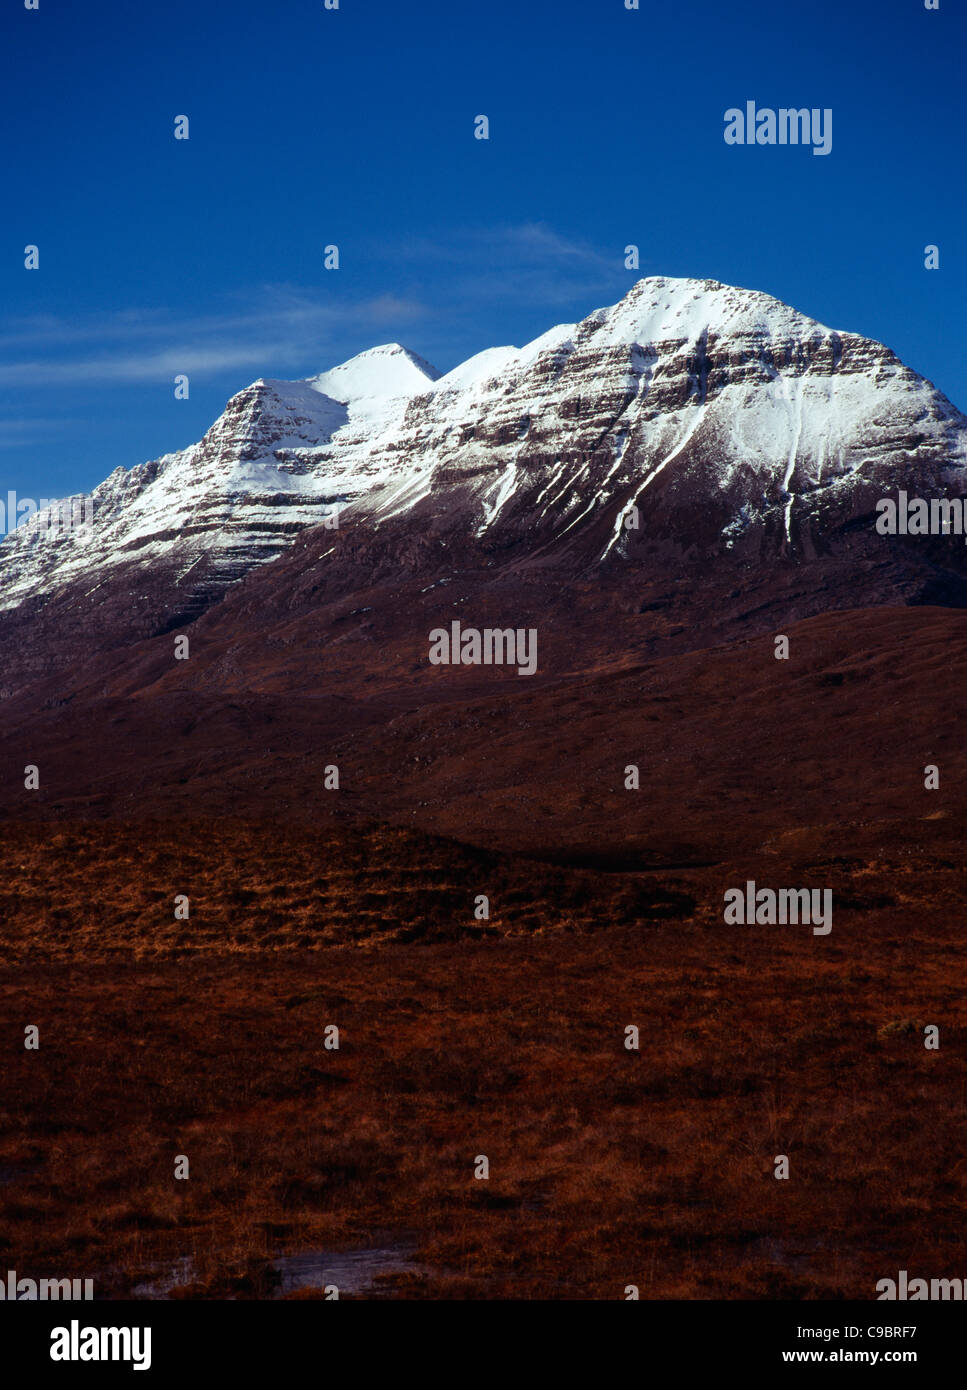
[205, 515]
[728, 420]
[724, 416]
[748, 442]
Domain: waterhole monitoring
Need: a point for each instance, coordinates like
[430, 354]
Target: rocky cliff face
[204, 516]
[720, 414]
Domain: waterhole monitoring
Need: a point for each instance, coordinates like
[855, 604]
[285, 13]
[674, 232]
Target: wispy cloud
[133, 367]
[529, 263]
[507, 246]
[16, 433]
[437, 286]
[281, 325]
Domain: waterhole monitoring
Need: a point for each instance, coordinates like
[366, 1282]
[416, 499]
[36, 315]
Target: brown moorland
[608, 1167]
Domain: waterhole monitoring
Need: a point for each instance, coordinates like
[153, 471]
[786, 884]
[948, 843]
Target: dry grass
[608, 1167]
[106, 891]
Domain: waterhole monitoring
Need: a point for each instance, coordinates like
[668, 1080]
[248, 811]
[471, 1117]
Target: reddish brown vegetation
[608, 1167]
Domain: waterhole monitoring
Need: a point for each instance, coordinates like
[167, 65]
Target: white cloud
[286, 329]
[280, 325]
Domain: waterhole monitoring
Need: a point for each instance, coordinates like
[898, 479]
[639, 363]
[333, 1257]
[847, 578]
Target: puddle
[173, 1276]
[352, 1271]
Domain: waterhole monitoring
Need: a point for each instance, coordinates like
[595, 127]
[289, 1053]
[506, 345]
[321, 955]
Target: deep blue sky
[356, 127]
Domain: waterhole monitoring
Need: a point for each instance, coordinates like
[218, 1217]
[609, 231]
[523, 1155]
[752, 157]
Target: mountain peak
[720, 419]
[660, 308]
[389, 370]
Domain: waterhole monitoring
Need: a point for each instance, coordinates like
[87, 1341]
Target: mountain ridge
[683, 386]
[691, 466]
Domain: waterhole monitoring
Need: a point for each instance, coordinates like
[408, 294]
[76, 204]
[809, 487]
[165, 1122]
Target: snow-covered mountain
[725, 418]
[260, 474]
[715, 411]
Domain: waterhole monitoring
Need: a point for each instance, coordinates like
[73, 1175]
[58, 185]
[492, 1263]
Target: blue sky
[355, 127]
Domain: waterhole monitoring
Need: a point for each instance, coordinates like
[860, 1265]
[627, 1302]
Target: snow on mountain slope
[719, 413]
[379, 373]
[723, 400]
[234, 499]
